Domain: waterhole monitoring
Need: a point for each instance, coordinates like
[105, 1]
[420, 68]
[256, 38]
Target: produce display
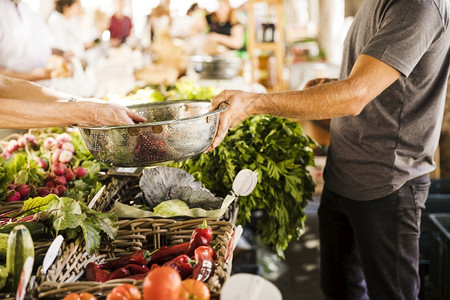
[279, 151]
[49, 162]
[178, 257]
[181, 90]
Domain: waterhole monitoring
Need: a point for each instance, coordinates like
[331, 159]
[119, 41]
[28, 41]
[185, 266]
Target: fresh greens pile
[67, 216]
[181, 90]
[279, 151]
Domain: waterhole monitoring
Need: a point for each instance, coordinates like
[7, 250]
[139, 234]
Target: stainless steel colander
[174, 131]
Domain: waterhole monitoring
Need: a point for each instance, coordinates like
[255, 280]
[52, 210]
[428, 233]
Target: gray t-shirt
[394, 138]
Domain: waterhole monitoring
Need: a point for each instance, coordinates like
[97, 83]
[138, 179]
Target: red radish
[80, 172]
[60, 180]
[55, 155]
[23, 189]
[6, 154]
[42, 163]
[11, 186]
[59, 169]
[21, 142]
[65, 156]
[50, 184]
[54, 191]
[43, 191]
[62, 138]
[68, 146]
[49, 177]
[15, 196]
[49, 143]
[29, 139]
[13, 145]
[69, 174]
[61, 190]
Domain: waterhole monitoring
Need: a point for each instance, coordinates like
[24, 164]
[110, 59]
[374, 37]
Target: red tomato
[162, 283]
[87, 296]
[125, 291]
[72, 296]
[192, 289]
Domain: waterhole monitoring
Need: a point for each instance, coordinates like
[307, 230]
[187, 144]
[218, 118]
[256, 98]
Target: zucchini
[3, 276]
[3, 245]
[37, 229]
[20, 246]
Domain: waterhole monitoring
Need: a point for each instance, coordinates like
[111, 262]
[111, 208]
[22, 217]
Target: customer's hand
[112, 114]
[241, 105]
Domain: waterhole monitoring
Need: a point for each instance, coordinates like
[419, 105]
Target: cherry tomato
[192, 289]
[162, 283]
[87, 296]
[125, 291]
[82, 296]
[72, 296]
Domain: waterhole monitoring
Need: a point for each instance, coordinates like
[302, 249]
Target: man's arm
[368, 78]
[33, 75]
[13, 88]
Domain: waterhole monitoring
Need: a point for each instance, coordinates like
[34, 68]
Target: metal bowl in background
[216, 66]
[174, 131]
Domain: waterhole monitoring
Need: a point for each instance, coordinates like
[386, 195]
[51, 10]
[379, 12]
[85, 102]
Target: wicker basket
[66, 275]
[126, 190]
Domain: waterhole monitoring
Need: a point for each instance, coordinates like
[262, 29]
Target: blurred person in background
[224, 29]
[120, 25]
[25, 43]
[29, 105]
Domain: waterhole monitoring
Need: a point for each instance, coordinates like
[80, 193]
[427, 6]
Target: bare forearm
[326, 101]
[29, 114]
[13, 88]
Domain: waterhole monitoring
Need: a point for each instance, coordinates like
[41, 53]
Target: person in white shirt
[25, 43]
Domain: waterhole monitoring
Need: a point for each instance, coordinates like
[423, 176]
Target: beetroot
[80, 172]
[14, 196]
[65, 156]
[23, 189]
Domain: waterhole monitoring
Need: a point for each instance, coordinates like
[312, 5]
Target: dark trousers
[370, 249]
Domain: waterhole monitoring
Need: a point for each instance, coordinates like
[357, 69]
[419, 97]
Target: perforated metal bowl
[174, 131]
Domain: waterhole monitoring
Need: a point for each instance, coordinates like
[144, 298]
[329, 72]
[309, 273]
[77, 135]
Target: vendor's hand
[318, 81]
[214, 37]
[241, 106]
[113, 114]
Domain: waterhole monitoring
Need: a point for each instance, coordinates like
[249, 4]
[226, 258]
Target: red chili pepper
[137, 269]
[140, 257]
[182, 264]
[94, 273]
[136, 276]
[204, 263]
[201, 236]
[119, 273]
[164, 254]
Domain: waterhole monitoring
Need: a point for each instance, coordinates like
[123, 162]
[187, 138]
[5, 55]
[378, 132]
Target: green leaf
[35, 205]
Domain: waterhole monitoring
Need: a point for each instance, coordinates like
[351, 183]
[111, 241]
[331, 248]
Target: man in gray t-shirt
[386, 112]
